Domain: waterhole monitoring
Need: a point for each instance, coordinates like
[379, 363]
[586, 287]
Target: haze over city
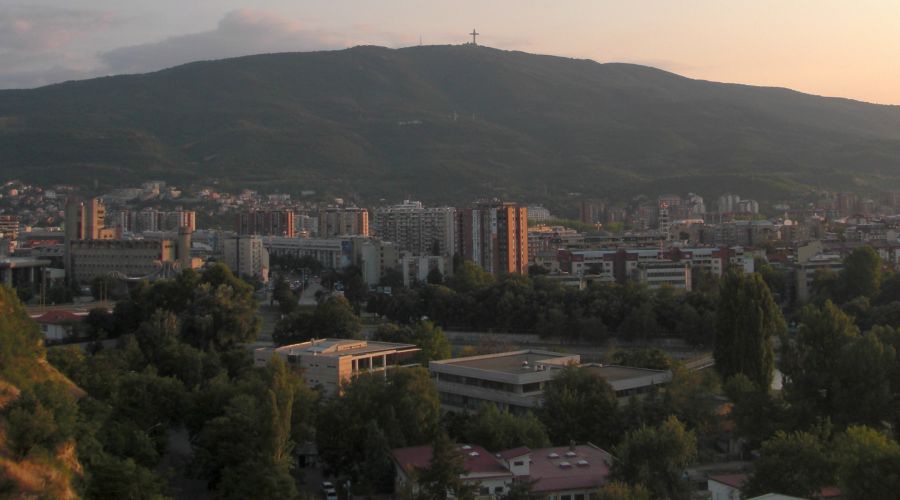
[831, 47]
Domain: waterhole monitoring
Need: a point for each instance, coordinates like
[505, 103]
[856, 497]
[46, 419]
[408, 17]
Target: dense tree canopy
[580, 407]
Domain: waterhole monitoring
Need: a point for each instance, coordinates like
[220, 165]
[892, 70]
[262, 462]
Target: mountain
[445, 123]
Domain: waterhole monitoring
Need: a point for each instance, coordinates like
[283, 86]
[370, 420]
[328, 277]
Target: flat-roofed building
[513, 381]
[629, 381]
[124, 258]
[328, 363]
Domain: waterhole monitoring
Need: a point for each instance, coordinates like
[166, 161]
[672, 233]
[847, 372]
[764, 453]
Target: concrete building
[572, 472]
[334, 222]
[328, 363]
[84, 220]
[537, 213]
[494, 236]
[149, 220]
[628, 381]
[415, 269]
[266, 223]
[375, 258]
[24, 272]
[659, 273]
[151, 259]
[417, 229]
[513, 381]
[247, 256]
[331, 253]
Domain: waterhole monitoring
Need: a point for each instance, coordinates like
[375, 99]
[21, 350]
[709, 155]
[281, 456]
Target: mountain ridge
[447, 123]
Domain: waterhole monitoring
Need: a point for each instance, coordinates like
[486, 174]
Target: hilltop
[445, 123]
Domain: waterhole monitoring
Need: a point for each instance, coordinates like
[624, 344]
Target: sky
[825, 47]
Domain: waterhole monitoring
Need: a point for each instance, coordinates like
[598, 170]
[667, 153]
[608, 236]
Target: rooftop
[615, 373]
[344, 347]
[478, 461]
[512, 362]
[736, 481]
[565, 468]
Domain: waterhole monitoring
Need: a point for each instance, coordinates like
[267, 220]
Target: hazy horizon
[827, 48]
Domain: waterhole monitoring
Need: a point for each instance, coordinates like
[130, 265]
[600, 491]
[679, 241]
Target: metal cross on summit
[474, 34]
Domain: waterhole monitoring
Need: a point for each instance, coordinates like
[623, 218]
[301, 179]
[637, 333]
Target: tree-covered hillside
[445, 123]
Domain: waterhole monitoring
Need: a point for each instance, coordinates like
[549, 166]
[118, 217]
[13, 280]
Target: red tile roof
[57, 316]
[515, 452]
[588, 468]
[733, 480]
[478, 461]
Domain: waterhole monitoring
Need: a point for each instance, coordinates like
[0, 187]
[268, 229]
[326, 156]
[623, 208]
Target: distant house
[729, 487]
[558, 473]
[59, 325]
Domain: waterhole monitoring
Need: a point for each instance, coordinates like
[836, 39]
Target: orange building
[495, 236]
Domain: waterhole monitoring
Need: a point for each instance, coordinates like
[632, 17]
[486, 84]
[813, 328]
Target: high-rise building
[85, 220]
[416, 229]
[246, 256]
[343, 222]
[266, 223]
[9, 226]
[494, 236]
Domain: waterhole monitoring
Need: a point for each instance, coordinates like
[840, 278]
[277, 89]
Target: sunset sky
[827, 47]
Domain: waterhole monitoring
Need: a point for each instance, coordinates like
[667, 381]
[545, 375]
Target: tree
[861, 275]
[868, 464]
[332, 318]
[499, 430]
[282, 294]
[221, 311]
[747, 319]
[640, 323]
[377, 470]
[435, 276]
[651, 357]
[580, 407]
[469, 276]
[443, 475]
[424, 334]
[656, 458]
[796, 463]
[617, 490]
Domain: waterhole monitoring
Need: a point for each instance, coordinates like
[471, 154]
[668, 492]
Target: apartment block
[247, 256]
[266, 223]
[417, 229]
[494, 236]
[334, 222]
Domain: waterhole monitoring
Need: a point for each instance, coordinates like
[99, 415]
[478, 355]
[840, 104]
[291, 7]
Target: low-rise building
[123, 258]
[513, 381]
[58, 325]
[566, 472]
[328, 363]
[629, 381]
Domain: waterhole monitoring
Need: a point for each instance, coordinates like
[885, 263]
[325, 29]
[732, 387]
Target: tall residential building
[266, 223]
[495, 236]
[343, 222]
[246, 256]
[150, 220]
[85, 220]
[416, 229]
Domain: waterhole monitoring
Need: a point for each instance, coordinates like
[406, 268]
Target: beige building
[328, 363]
[124, 258]
[246, 256]
[335, 222]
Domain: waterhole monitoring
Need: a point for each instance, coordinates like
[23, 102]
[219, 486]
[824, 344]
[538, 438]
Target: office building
[334, 222]
[135, 259]
[331, 253]
[329, 363]
[513, 381]
[494, 236]
[247, 256]
[659, 273]
[417, 229]
[266, 223]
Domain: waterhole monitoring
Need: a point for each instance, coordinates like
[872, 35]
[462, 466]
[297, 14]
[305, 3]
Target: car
[331, 494]
[327, 485]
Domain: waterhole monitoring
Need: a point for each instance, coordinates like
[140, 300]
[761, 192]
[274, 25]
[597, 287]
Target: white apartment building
[417, 229]
[246, 256]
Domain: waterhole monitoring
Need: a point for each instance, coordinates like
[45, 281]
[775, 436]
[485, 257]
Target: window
[498, 489]
[484, 490]
[518, 463]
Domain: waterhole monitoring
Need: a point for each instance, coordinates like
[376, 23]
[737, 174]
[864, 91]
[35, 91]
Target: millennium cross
[474, 34]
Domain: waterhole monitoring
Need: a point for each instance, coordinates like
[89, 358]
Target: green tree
[640, 323]
[499, 430]
[868, 464]
[377, 470]
[656, 458]
[651, 357]
[861, 275]
[796, 463]
[284, 296]
[442, 477]
[332, 318]
[580, 407]
[747, 319]
[617, 490]
[424, 334]
[469, 276]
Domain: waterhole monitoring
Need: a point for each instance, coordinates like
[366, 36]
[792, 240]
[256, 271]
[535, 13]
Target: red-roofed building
[571, 472]
[58, 324]
[726, 486]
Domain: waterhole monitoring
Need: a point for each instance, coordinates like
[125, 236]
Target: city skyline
[826, 48]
